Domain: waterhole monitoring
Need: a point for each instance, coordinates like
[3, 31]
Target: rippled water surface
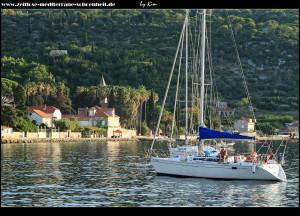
[117, 174]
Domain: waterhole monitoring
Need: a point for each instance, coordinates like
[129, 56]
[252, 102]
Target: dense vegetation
[134, 49]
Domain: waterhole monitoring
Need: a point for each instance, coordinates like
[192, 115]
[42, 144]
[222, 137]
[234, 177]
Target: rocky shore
[41, 140]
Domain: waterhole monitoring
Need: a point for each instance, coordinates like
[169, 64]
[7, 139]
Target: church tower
[103, 100]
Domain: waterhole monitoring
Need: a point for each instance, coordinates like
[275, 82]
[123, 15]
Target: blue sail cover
[206, 133]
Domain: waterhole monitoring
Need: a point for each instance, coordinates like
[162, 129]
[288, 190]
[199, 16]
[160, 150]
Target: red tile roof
[83, 118]
[294, 125]
[245, 119]
[67, 116]
[47, 109]
[189, 109]
[41, 113]
[100, 112]
[107, 108]
[3, 126]
[287, 130]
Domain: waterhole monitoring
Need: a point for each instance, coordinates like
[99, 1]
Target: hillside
[137, 47]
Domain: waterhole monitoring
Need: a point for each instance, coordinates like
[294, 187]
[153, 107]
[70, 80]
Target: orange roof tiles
[46, 109]
[245, 119]
[3, 126]
[41, 113]
[100, 112]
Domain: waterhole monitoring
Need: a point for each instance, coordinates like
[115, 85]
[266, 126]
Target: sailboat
[189, 161]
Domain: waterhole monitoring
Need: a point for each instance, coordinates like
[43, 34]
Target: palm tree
[93, 91]
[29, 88]
[144, 96]
[53, 91]
[47, 89]
[41, 87]
[166, 119]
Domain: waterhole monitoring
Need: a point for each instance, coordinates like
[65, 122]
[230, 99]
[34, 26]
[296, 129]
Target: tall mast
[186, 75]
[202, 68]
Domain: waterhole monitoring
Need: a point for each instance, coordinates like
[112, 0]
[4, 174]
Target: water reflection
[116, 174]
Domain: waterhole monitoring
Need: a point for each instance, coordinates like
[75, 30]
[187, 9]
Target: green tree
[243, 102]
[151, 111]
[143, 128]
[66, 124]
[8, 116]
[166, 120]
[111, 98]
[267, 128]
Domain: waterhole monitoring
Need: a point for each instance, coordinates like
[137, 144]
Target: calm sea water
[116, 174]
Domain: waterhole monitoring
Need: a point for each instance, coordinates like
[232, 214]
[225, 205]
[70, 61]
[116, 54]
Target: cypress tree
[151, 111]
[111, 99]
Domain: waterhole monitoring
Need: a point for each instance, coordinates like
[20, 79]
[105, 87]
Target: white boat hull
[169, 166]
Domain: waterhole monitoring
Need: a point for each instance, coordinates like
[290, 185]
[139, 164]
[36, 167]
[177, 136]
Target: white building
[40, 117]
[244, 124]
[6, 131]
[58, 52]
[53, 112]
[295, 127]
[96, 115]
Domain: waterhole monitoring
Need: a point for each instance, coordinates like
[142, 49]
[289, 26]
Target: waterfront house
[40, 117]
[53, 112]
[244, 124]
[98, 117]
[295, 127]
[6, 131]
[287, 133]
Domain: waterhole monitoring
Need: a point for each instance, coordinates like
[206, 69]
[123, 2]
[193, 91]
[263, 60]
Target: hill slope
[137, 47]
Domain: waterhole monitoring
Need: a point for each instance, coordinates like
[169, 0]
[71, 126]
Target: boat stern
[274, 171]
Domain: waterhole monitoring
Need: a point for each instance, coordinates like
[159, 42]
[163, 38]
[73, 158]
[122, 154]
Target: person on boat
[251, 157]
[223, 154]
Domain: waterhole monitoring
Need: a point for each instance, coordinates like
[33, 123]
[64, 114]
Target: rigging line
[170, 78]
[213, 80]
[186, 76]
[240, 66]
[177, 89]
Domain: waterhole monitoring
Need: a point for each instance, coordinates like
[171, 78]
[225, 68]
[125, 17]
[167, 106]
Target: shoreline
[8, 140]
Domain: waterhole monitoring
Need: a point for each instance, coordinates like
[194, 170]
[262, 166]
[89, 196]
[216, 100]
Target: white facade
[56, 114]
[113, 122]
[39, 119]
[6, 131]
[84, 123]
[244, 125]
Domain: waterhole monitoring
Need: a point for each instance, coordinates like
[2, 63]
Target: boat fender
[253, 168]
